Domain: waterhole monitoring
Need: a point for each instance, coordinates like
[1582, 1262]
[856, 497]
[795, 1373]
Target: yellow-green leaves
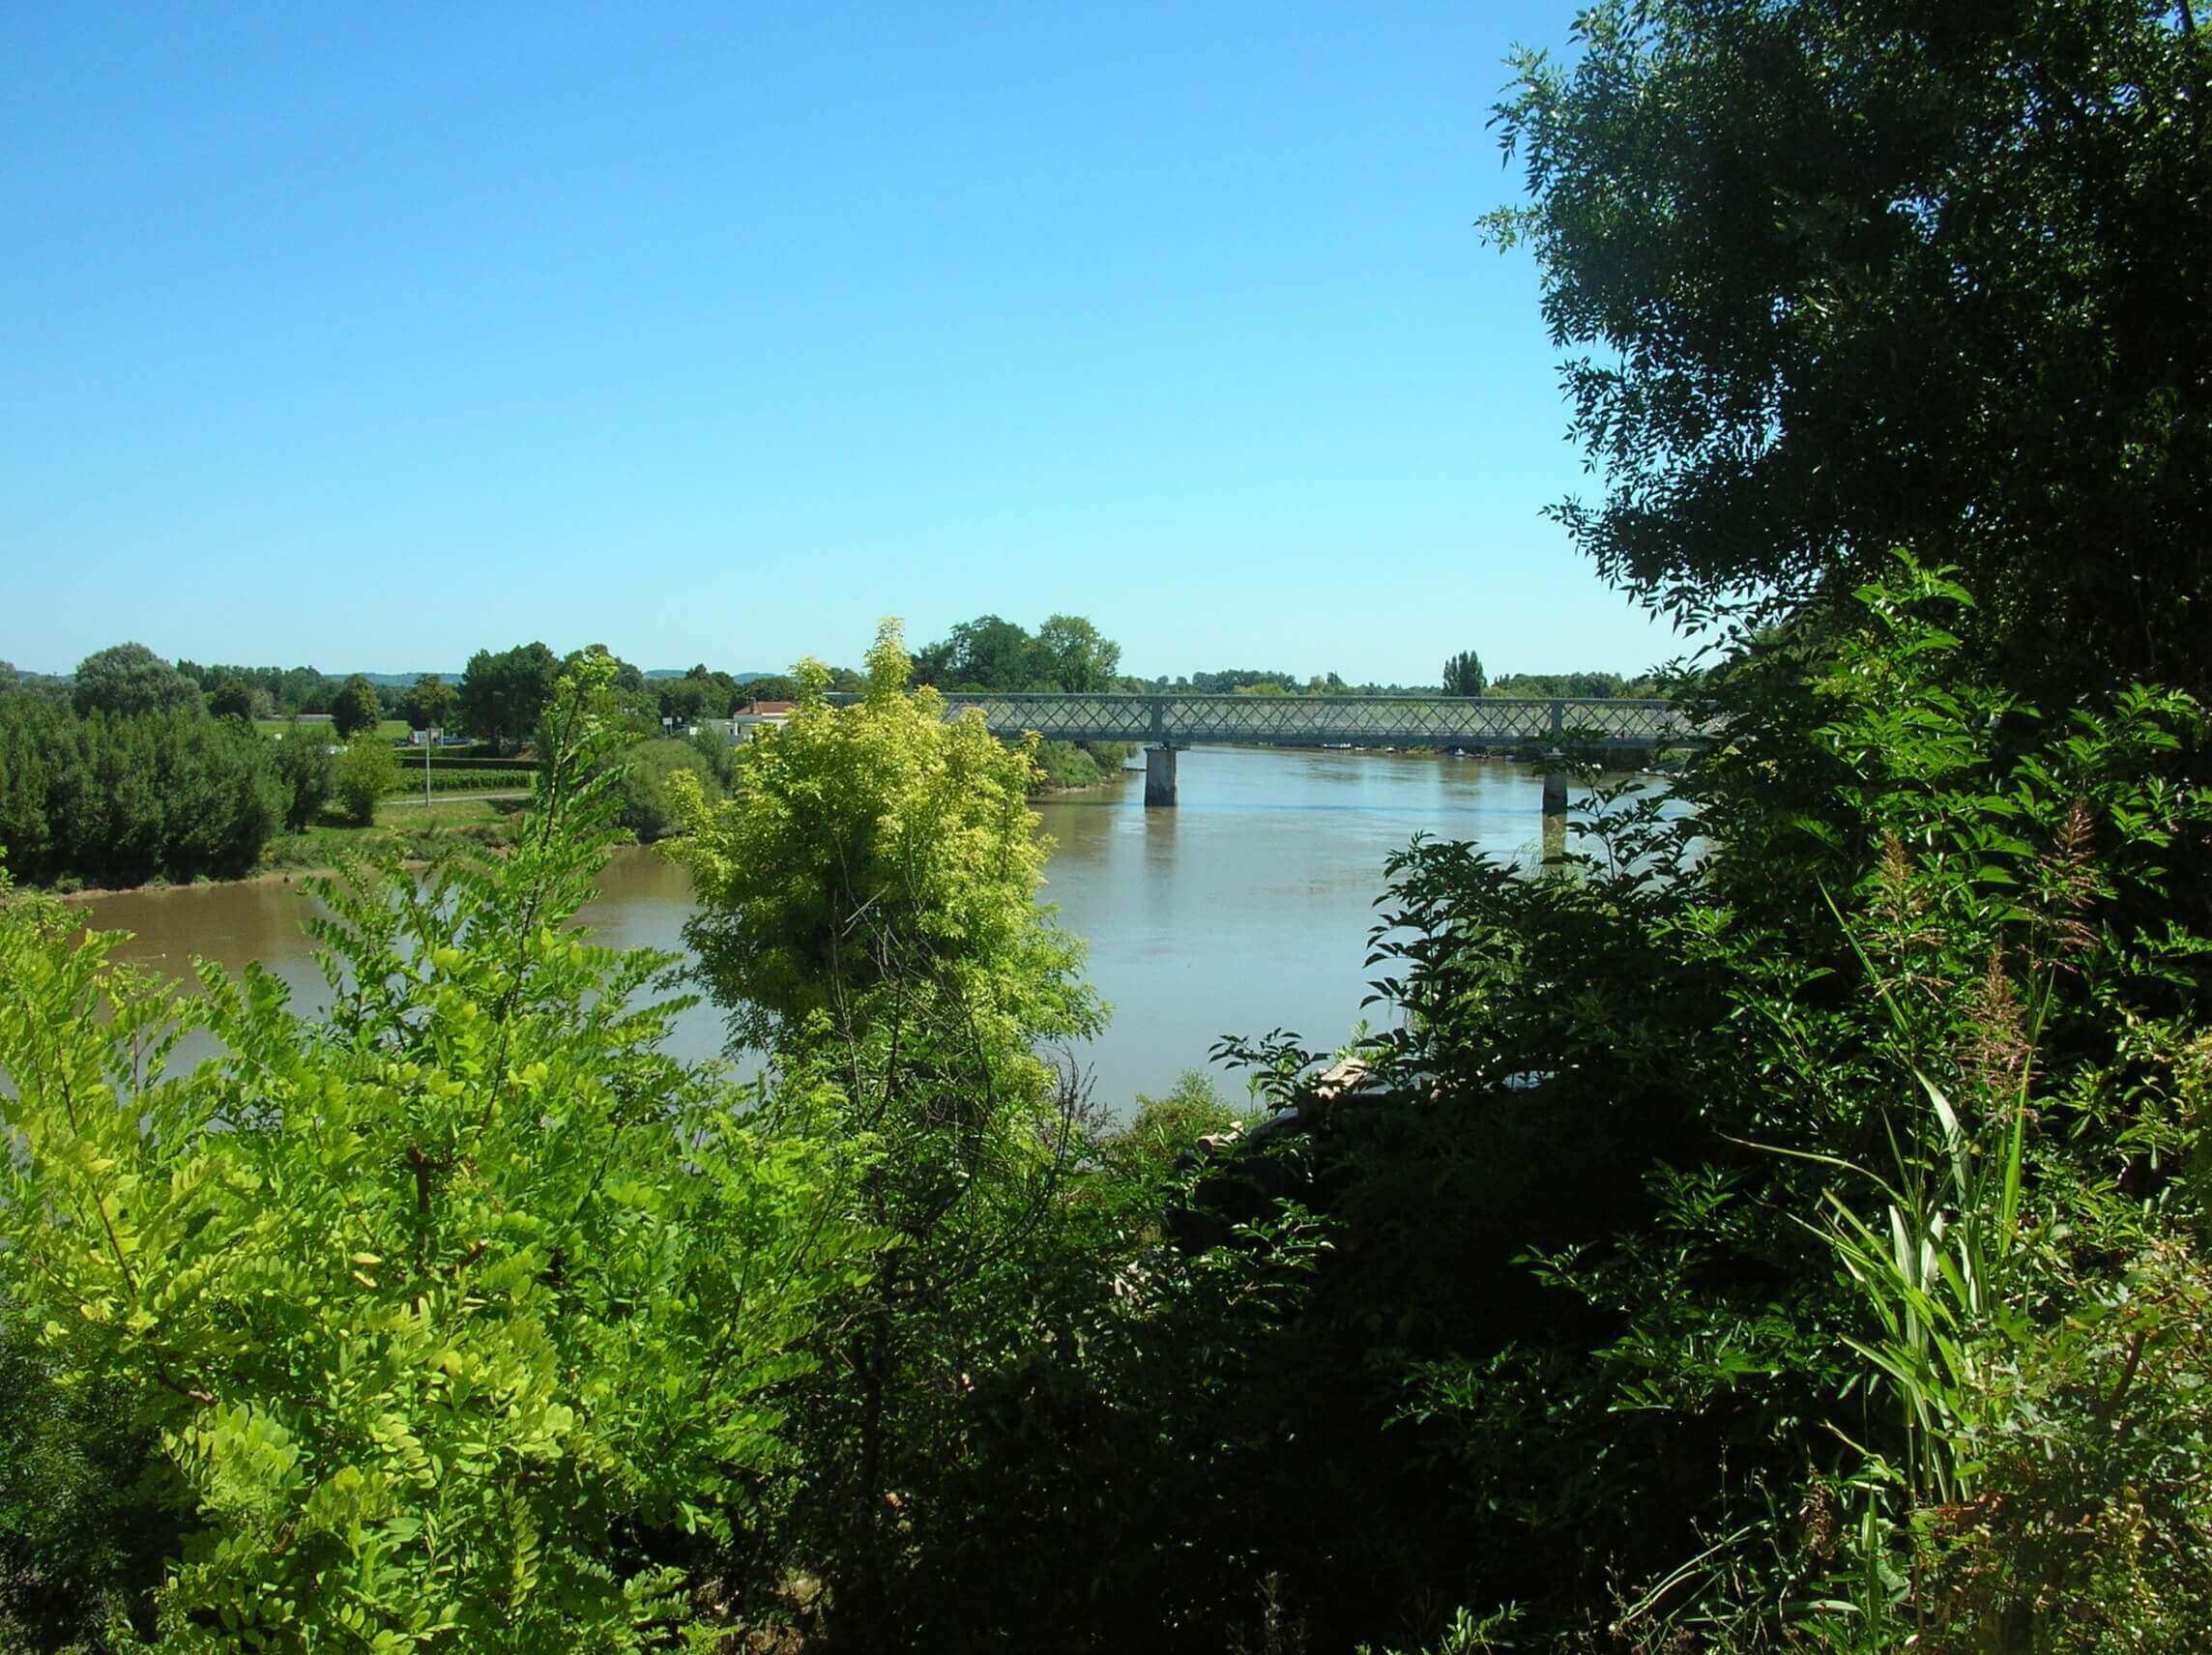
[427, 1299]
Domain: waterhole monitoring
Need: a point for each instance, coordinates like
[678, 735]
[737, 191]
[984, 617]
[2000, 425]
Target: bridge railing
[1333, 720]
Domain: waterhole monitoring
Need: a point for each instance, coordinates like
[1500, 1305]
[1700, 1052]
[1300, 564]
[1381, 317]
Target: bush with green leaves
[118, 799]
[308, 771]
[1786, 1208]
[455, 1319]
[366, 770]
[649, 805]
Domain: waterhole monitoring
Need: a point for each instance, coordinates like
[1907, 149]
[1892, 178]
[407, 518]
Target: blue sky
[364, 336]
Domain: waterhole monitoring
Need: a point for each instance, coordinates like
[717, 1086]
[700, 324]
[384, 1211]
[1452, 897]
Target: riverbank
[402, 823]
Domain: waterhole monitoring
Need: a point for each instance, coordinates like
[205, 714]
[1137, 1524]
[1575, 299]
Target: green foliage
[120, 801]
[649, 808]
[1068, 654]
[1877, 1086]
[1463, 674]
[1834, 279]
[501, 694]
[129, 679]
[455, 1320]
[355, 708]
[306, 772]
[365, 772]
[429, 703]
[868, 918]
[233, 698]
[1063, 764]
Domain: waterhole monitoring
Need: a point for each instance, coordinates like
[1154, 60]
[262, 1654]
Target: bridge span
[1164, 723]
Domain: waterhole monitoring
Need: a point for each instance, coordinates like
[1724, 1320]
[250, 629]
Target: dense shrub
[308, 771]
[649, 805]
[452, 1318]
[367, 768]
[1782, 1207]
[117, 801]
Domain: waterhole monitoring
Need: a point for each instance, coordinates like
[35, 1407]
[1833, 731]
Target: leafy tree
[688, 700]
[650, 807]
[1463, 674]
[454, 1319]
[303, 689]
[306, 772]
[429, 703]
[867, 915]
[503, 694]
[1073, 655]
[986, 652]
[117, 801]
[774, 686]
[130, 678]
[232, 698]
[355, 708]
[1838, 280]
[366, 770]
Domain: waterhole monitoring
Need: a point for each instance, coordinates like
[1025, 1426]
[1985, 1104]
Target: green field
[391, 729]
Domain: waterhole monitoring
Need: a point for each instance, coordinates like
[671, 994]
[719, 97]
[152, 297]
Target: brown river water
[1244, 909]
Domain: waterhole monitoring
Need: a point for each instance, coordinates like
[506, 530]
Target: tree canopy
[355, 708]
[1835, 280]
[1067, 654]
[130, 678]
[503, 693]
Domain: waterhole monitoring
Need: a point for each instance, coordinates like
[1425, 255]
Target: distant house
[749, 720]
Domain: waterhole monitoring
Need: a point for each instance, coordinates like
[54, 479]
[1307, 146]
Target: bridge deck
[1333, 720]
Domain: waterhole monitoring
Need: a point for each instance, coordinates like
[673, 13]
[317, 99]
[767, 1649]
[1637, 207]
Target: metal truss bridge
[1166, 722]
[1336, 721]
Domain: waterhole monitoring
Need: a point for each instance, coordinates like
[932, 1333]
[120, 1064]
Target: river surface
[1244, 909]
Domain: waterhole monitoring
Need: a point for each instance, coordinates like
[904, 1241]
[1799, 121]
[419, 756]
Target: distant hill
[678, 672]
[396, 680]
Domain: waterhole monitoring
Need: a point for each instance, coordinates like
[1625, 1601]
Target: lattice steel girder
[1333, 720]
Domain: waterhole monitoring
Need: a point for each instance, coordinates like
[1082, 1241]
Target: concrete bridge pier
[1161, 775]
[1554, 817]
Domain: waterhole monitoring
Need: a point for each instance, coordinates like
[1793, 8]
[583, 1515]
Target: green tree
[232, 698]
[429, 703]
[130, 678]
[1838, 280]
[501, 694]
[1074, 658]
[449, 1319]
[308, 771]
[986, 652]
[355, 708]
[366, 770]
[650, 807]
[867, 915]
[1463, 674]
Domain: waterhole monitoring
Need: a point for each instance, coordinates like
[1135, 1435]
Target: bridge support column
[1161, 775]
[1554, 817]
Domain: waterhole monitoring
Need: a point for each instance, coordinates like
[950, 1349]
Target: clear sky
[363, 336]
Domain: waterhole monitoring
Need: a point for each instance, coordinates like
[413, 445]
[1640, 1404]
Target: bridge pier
[1161, 775]
[1554, 817]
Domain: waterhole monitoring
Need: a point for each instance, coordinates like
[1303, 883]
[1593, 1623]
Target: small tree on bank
[869, 917]
[366, 770]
